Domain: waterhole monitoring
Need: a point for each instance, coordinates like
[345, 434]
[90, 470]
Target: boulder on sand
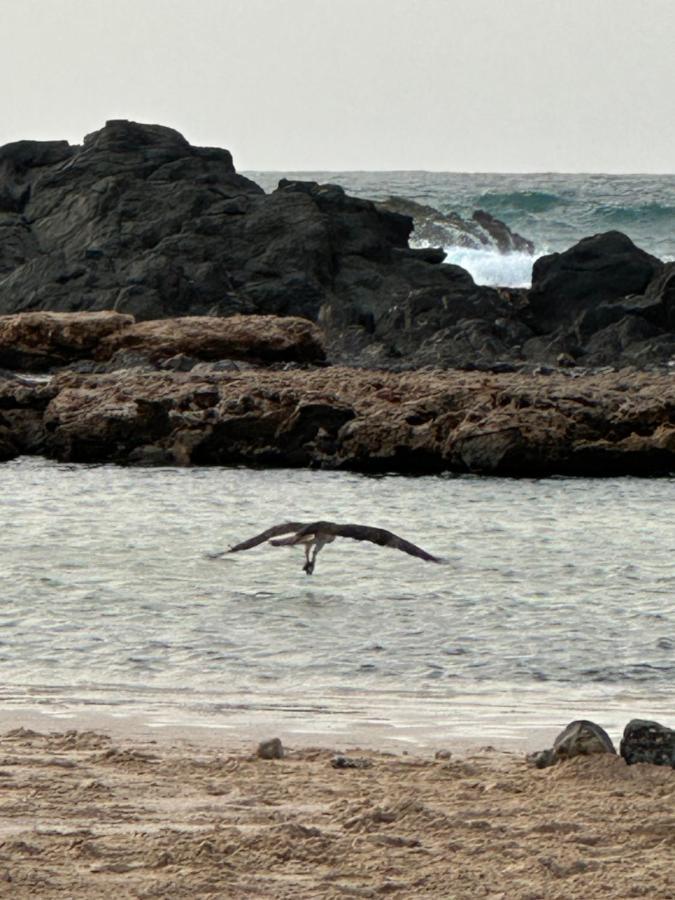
[580, 738]
[648, 742]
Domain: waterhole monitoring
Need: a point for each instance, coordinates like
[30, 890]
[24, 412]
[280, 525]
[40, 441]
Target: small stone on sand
[272, 749]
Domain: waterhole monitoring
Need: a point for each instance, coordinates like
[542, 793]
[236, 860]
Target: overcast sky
[449, 85]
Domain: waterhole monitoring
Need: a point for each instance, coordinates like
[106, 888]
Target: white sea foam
[489, 267]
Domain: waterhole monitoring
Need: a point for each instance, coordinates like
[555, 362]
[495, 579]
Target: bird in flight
[315, 535]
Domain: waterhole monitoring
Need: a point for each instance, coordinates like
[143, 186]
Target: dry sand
[85, 815]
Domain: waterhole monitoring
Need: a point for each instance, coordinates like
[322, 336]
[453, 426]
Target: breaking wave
[489, 267]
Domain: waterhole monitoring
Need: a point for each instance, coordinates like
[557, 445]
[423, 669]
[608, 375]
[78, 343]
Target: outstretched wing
[284, 528]
[375, 535]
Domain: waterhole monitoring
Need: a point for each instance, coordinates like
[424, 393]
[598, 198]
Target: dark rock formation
[580, 738]
[450, 230]
[602, 268]
[506, 241]
[583, 306]
[138, 221]
[648, 742]
[340, 418]
[271, 749]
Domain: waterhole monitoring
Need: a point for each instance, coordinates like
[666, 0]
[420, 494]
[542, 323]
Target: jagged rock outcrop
[137, 221]
[341, 418]
[506, 241]
[597, 270]
[585, 305]
[434, 227]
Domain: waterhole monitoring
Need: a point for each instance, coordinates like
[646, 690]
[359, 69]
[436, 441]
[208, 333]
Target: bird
[315, 535]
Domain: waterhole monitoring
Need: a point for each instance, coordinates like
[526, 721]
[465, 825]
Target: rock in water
[580, 738]
[451, 230]
[507, 241]
[648, 742]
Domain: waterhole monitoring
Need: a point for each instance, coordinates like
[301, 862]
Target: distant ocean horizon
[553, 210]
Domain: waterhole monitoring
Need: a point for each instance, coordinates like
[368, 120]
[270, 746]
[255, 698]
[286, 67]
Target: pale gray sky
[452, 85]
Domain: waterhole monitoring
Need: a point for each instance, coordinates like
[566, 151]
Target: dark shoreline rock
[648, 742]
[449, 229]
[137, 221]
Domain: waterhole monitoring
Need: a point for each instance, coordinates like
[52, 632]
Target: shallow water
[556, 600]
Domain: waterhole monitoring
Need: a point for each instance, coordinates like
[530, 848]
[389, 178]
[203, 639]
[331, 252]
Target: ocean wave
[491, 268]
[643, 213]
[519, 201]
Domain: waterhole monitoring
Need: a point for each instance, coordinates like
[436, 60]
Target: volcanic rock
[507, 241]
[451, 230]
[648, 742]
[598, 269]
[271, 749]
[138, 221]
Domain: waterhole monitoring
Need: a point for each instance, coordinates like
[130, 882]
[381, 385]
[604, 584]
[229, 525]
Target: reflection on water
[557, 595]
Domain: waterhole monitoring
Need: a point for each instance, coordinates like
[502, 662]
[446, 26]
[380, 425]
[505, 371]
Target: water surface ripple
[556, 599]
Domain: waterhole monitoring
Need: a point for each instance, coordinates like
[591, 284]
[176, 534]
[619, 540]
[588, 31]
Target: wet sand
[87, 814]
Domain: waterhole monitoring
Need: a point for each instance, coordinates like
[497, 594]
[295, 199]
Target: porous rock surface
[343, 418]
[261, 338]
[644, 741]
[37, 341]
[41, 340]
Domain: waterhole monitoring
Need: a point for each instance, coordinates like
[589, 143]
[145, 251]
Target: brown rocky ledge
[37, 341]
[509, 424]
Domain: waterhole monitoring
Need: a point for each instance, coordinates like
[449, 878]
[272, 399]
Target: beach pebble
[272, 749]
[443, 754]
[350, 762]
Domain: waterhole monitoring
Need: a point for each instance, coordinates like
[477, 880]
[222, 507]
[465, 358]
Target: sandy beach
[88, 814]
